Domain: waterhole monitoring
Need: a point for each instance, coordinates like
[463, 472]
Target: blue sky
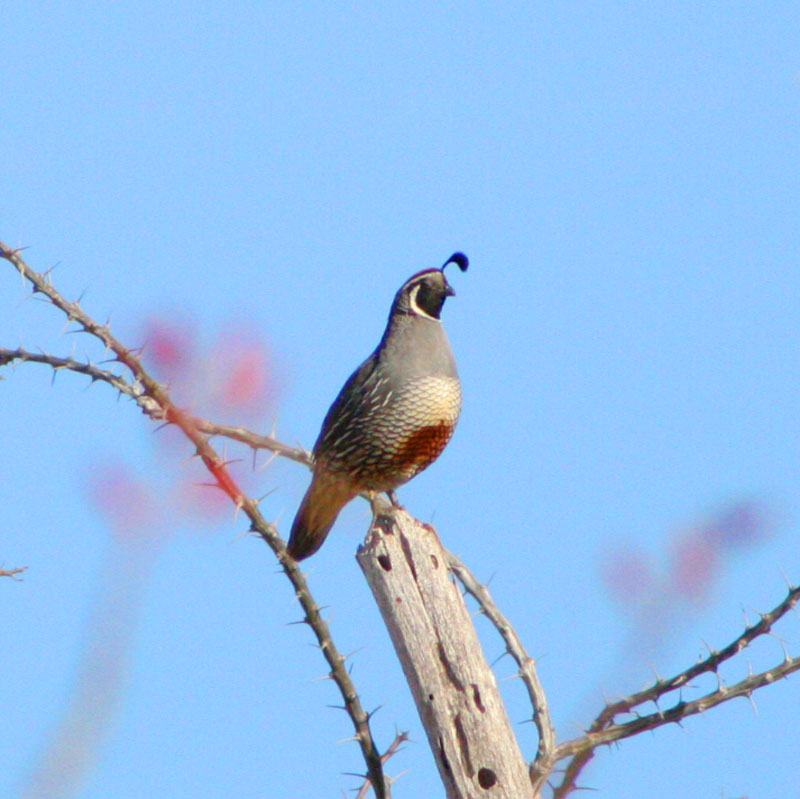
[624, 178]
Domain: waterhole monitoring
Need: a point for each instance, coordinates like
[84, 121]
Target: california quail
[393, 417]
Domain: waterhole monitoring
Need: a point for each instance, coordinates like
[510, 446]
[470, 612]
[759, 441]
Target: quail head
[393, 417]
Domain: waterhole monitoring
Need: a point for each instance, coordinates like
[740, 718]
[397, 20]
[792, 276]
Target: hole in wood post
[448, 668]
[443, 756]
[386, 562]
[385, 524]
[463, 745]
[476, 696]
[435, 561]
[486, 778]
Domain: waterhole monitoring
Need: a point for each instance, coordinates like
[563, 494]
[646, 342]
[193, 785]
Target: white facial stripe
[412, 301]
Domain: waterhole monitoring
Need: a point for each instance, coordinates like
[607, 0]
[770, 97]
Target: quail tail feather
[326, 496]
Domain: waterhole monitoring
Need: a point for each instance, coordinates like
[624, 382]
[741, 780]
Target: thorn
[786, 657]
[260, 499]
[266, 463]
[499, 658]
[658, 707]
[711, 652]
[788, 582]
[342, 658]
[67, 324]
[239, 537]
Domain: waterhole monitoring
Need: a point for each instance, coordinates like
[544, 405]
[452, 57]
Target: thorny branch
[151, 408]
[544, 761]
[155, 402]
[604, 729]
[710, 664]
[254, 440]
[89, 369]
[13, 573]
[393, 749]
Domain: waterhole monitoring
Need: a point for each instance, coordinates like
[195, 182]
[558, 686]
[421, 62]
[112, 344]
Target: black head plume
[459, 259]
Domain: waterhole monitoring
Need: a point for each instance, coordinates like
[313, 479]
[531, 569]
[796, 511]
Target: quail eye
[429, 300]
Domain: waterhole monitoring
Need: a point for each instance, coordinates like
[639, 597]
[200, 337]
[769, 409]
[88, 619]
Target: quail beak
[448, 290]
